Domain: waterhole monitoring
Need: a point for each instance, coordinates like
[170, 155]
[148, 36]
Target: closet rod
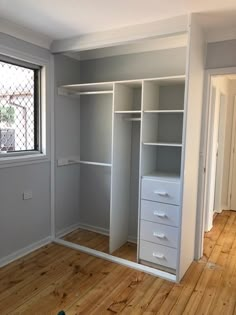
[132, 119]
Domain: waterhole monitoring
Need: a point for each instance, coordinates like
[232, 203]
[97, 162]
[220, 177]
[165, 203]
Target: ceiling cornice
[176, 25]
[24, 33]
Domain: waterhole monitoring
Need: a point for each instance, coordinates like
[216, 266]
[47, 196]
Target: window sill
[18, 160]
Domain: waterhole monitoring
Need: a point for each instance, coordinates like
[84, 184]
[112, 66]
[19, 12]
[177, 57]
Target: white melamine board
[86, 88]
[134, 180]
[190, 163]
[95, 128]
[94, 207]
[120, 194]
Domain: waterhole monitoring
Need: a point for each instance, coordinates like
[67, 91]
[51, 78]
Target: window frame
[37, 105]
[45, 61]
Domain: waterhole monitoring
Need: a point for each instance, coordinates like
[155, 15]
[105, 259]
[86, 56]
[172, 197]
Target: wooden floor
[56, 278]
[101, 242]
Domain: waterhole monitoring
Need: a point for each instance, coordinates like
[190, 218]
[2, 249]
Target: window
[19, 106]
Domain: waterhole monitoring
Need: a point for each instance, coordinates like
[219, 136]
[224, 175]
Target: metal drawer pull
[160, 214]
[159, 235]
[161, 193]
[158, 255]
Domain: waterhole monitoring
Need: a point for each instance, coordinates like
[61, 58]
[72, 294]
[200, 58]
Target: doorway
[217, 173]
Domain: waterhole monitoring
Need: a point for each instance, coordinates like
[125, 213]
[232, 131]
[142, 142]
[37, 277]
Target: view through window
[18, 108]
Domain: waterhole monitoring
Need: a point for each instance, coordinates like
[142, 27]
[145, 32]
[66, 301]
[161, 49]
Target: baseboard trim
[24, 251]
[67, 230]
[92, 228]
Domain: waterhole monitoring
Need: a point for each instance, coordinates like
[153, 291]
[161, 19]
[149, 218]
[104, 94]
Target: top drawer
[162, 191]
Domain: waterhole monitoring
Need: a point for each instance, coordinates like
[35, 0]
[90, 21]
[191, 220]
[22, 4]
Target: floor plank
[55, 278]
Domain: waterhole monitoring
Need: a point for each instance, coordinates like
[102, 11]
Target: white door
[233, 163]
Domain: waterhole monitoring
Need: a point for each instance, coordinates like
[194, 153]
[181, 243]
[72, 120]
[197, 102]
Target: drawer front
[158, 254]
[160, 212]
[162, 191]
[159, 233]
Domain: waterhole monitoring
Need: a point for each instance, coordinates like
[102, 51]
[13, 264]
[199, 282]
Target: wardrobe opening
[219, 191]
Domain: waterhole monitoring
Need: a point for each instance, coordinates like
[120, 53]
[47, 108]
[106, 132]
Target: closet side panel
[190, 166]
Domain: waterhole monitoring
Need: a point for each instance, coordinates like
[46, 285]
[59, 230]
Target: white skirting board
[25, 251]
[92, 228]
[121, 261]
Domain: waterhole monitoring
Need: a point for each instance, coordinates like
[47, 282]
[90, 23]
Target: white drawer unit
[162, 191]
[158, 254]
[160, 212]
[159, 233]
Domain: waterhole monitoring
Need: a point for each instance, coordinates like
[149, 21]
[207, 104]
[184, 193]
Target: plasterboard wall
[23, 222]
[221, 54]
[67, 135]
[134, 66]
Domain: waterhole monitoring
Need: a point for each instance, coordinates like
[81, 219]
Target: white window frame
[46, 84]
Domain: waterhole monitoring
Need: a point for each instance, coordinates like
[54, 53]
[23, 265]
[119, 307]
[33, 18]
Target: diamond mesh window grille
[18, 108]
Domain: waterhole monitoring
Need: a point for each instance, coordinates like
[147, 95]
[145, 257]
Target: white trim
[24, 33]
[47, 88]
[24, 251]
[121, 261]
[52, 146]
[232, 153]
[93, 228]
[26, 160]
[128, 34]
[67, 230]
[202, 197]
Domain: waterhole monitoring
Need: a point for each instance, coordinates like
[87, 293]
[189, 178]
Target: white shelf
[165, 144]
[95, 163]
[86, 89]
[168, 80]
[163, 176]
[127, 111]
[161, 111]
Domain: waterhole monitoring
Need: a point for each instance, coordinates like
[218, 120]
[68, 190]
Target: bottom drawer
[158, 254]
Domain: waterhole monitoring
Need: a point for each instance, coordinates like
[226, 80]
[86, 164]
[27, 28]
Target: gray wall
[23, 222]
[67, 135]
[134, 66]
[221, 54]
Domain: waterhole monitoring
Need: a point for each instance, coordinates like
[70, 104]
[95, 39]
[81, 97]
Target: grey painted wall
[134, 66]
[67, 135]
[23, 222]
[221, 54]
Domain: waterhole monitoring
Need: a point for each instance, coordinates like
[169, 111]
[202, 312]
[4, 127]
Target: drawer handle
[159, 235]
[158, 255]
[160, 214]
[161, 193]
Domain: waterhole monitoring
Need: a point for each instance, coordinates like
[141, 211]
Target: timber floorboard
[101, 242]
[56, 278]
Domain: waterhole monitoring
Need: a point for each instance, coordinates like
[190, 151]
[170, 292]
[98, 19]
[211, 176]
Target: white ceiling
[59, 19]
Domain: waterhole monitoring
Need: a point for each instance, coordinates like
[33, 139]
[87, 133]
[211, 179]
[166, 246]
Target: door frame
[232, 152]
[204, 158]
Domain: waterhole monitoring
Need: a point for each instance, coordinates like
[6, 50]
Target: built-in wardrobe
[132, 161]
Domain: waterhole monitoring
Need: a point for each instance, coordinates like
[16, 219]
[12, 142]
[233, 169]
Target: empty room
[117, 157]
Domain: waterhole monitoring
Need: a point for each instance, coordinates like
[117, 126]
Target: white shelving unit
[141, 162]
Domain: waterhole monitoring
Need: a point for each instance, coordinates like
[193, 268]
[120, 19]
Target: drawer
[160, 212]
[162, 191]
[158, 254]
[159, 233]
